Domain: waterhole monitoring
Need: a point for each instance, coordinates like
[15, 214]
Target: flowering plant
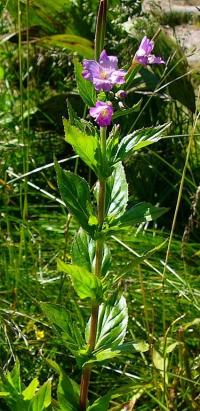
[100, 212]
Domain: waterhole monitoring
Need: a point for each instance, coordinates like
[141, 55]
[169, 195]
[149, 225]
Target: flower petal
[118, 77]
[108, 62]
[146, 45]
[102, 84]
[91, 69]
[155, 60]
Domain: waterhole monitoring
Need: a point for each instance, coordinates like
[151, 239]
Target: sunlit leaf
[85, 283]
[112, 324]
[116, 192]
[71, 42]
[142, 212]
[42, 399]
[83, 253]
[29, 392]
[86, 146]
[138, 140]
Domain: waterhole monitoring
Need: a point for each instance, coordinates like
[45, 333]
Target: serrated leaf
[42, 399]
[29, 391]
[86, 146]
[142, 212]
[139, 139]
[75, 193]
[83, 253]
[101, 404]
[64, 324]
[85, 283]
[112, 324]
[68, 393]
[116, 192]
[126, 111]
[82, 124]
[85, 87]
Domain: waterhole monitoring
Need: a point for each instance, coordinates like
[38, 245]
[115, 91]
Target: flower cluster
[105, 74]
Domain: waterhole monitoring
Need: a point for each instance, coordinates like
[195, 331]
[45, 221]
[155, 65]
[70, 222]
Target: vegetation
[153, 364]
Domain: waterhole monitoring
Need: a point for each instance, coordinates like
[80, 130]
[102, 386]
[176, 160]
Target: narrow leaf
[139, 139]
[140, 213]
[75, 193]
[86, 284]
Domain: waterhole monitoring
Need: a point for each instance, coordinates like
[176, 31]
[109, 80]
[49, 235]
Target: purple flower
[102, 112]
[143, 54]
[103, 74]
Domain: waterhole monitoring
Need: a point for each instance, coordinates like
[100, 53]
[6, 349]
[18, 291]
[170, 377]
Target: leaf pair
[88, 148]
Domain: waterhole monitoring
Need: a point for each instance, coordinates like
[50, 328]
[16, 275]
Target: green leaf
[85, 87]
[83, 253]
[12, 379]
[67, 393]
[67, 328]
[112, 324]
[126, 111]
[75, 193]
[140, 213]
[71, 42]
[116, 192]
[159, 362]
[42, 399]
[86, 146]
[85, 283]
[29, 392]
[139, 139]
[82, 124]
[101, 404]
[67, 390]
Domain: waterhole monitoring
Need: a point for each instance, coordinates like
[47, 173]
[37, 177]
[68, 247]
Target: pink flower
[102, 112]
[103, 74]
[143, 54]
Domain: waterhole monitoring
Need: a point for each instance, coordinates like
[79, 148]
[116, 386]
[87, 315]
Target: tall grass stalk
[180, 192]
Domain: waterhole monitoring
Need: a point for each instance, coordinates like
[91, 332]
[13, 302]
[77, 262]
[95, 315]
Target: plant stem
[85, 379]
